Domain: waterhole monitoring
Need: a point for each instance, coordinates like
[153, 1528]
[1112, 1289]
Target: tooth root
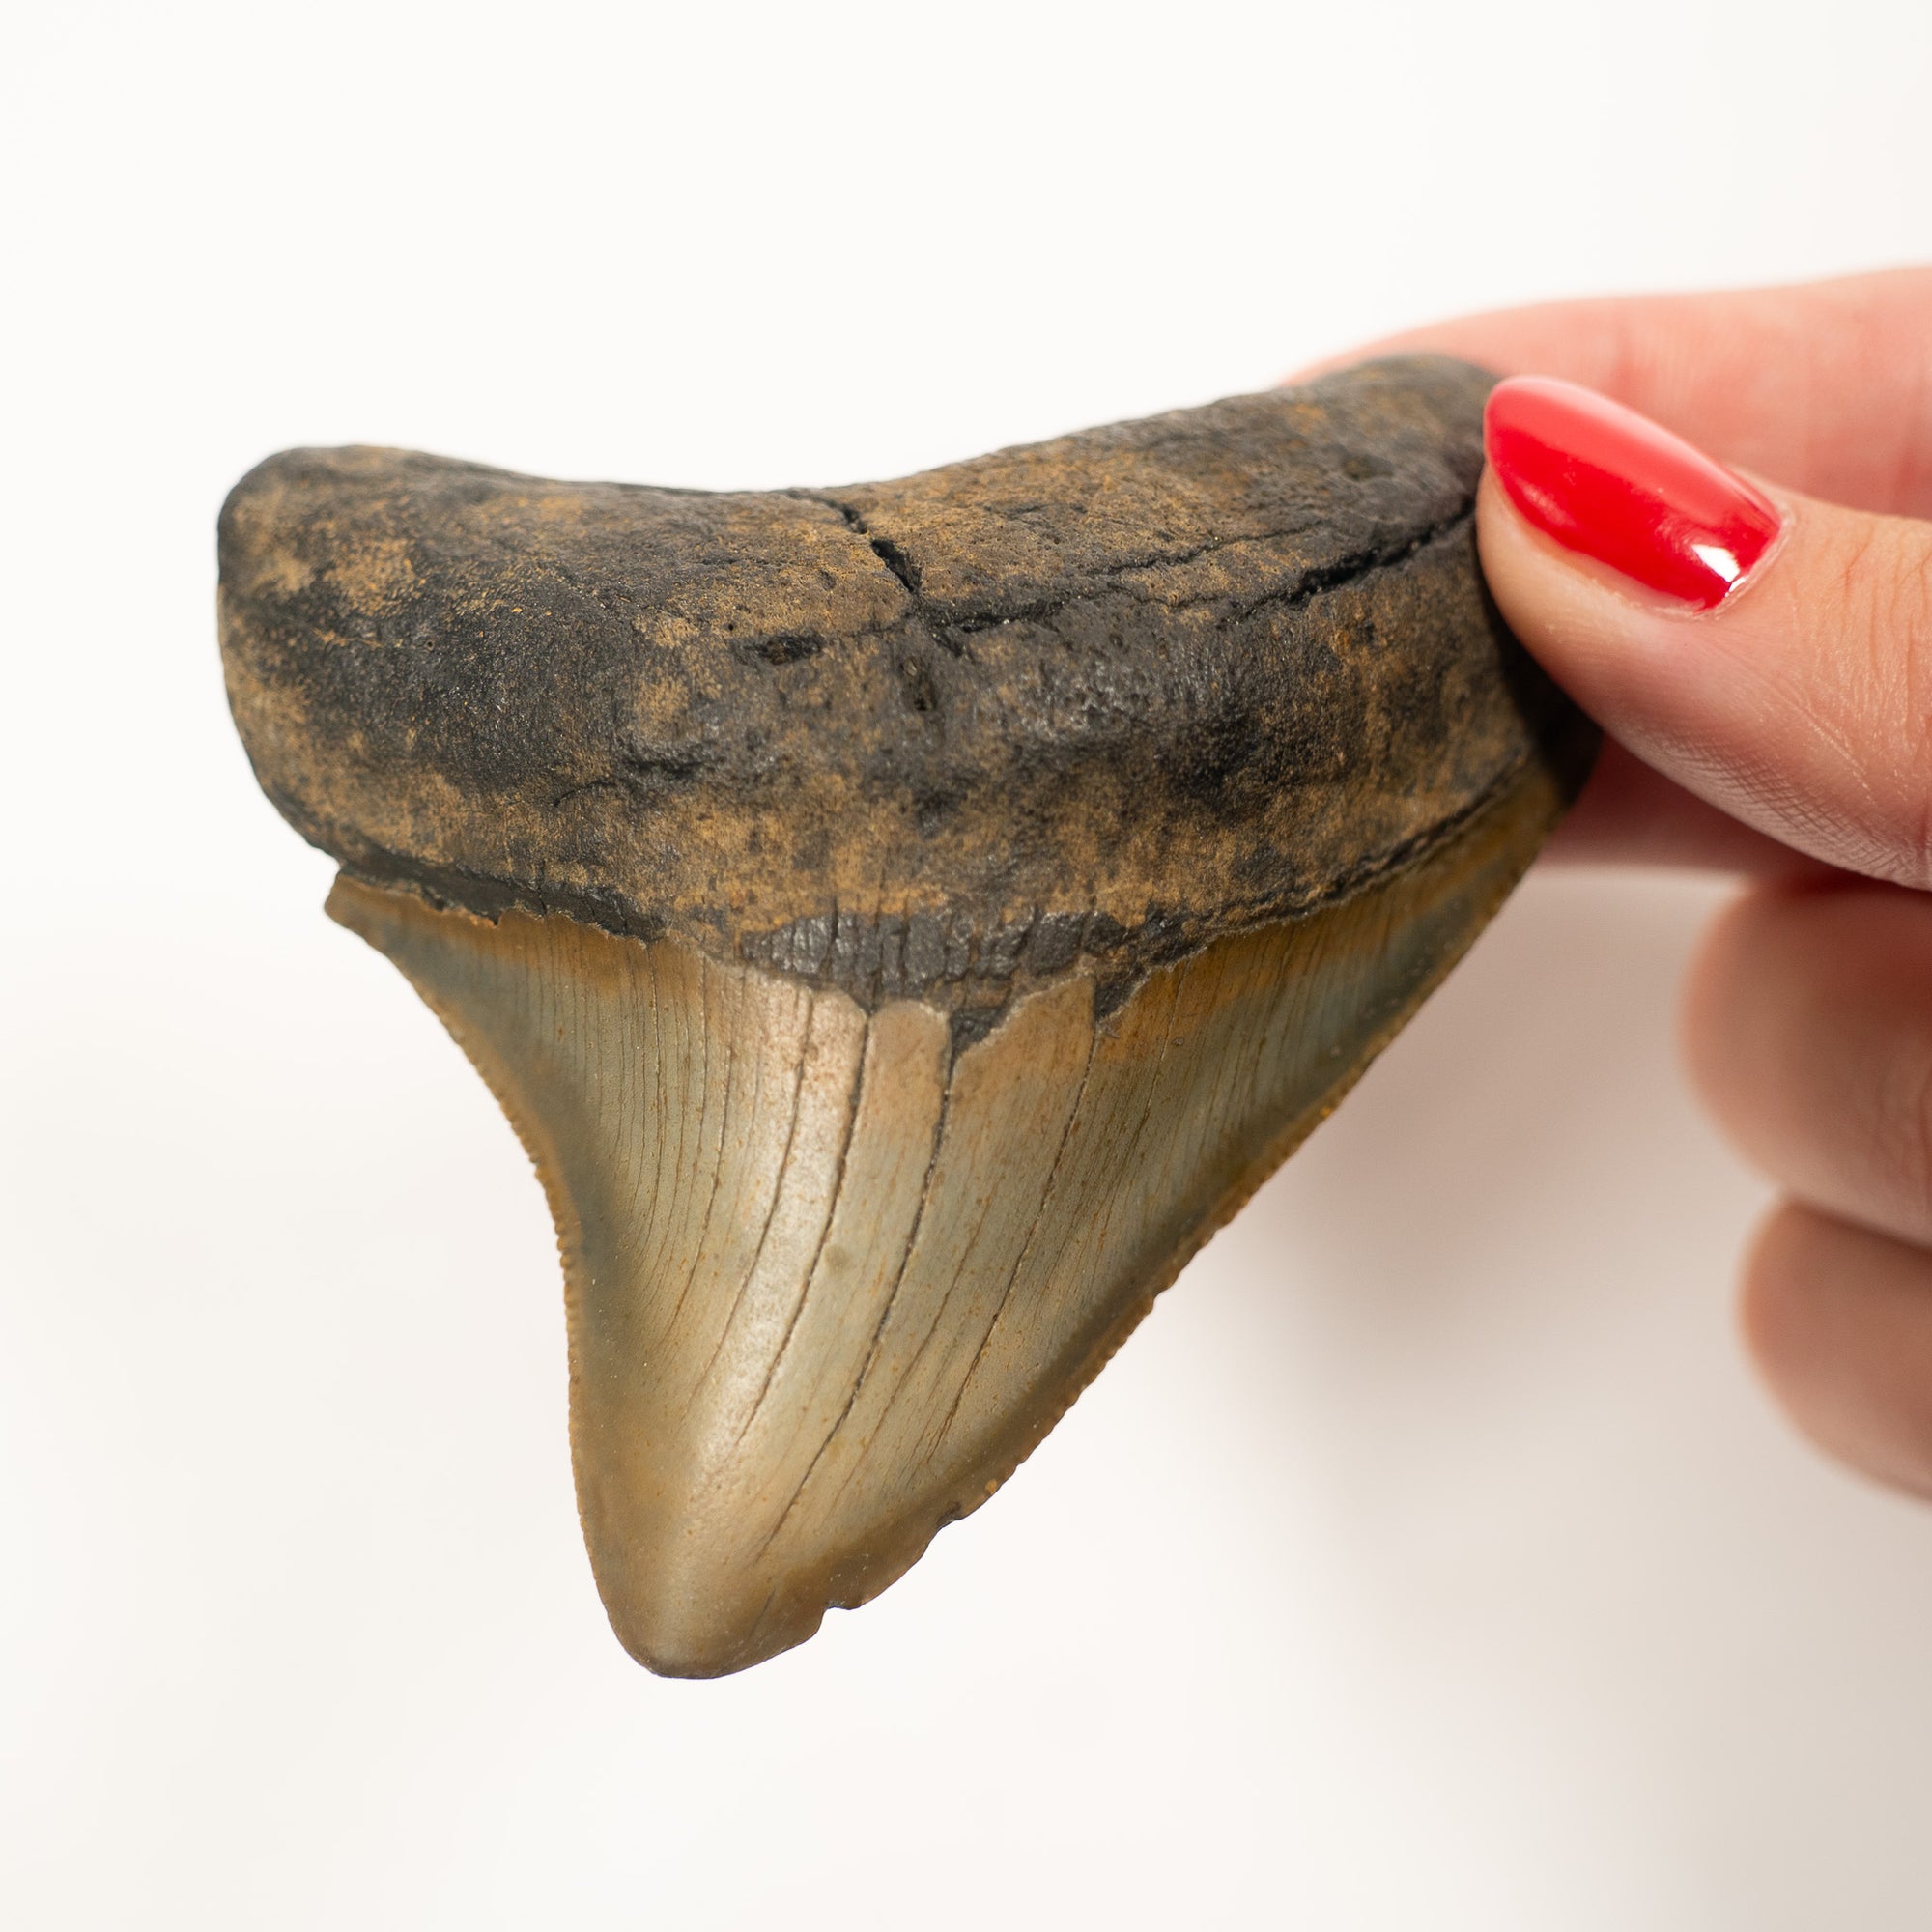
[827, 1282]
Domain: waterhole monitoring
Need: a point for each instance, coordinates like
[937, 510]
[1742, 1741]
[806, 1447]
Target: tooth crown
[903, 921]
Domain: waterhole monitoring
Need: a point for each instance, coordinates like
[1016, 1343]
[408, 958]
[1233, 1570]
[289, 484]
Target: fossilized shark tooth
[902, 921]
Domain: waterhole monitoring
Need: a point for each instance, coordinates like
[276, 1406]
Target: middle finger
[1809, 1029]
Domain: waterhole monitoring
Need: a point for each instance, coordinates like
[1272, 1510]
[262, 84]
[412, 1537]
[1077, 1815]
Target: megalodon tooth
[902, 921]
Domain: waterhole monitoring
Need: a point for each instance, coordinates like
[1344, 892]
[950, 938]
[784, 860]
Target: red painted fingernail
[1605, 481]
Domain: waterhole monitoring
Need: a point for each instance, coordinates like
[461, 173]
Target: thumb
[1769, 652]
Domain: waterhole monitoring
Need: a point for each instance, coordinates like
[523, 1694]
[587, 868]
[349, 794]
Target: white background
[1427, 1559]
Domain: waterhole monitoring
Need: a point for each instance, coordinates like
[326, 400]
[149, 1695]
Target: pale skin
[1785, 735]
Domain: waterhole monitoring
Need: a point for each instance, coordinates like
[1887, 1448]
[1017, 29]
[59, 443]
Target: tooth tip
[689, 1594]
[687, 1606]
[683, 1639]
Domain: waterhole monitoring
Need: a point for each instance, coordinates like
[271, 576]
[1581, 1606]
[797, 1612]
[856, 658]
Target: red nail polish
[1605, 481]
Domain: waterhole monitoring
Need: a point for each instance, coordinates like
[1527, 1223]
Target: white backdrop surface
[1427, 1558]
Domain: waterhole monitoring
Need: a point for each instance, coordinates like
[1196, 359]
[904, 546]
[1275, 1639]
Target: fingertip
[1773, 1314]
[1709, 1014]
[1761, 649]
[1609, 484]
[1837, 1321]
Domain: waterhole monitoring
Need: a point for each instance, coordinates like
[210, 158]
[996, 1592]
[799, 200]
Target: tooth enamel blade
[828, 1280]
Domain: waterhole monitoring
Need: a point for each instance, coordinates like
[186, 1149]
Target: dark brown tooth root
[880, 1070]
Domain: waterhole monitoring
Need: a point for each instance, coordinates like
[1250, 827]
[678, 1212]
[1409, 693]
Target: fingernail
[1604, 481]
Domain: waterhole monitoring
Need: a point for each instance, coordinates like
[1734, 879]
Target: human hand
[1784, 732]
